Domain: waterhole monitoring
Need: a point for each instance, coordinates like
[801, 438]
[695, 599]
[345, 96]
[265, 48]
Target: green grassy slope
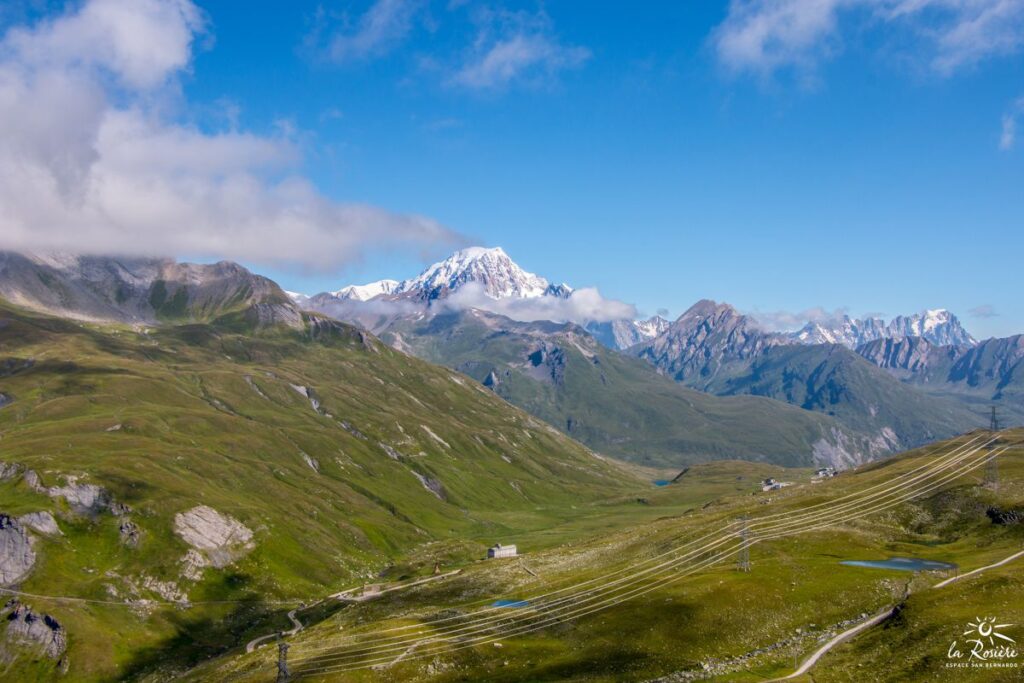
[834, 380]
[718, 623]
[198, 414]
[613, 403]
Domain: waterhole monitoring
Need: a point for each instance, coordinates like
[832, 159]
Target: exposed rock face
[261, 315]
[40, 632]
[849, 332]
[994, 367]
[622, 334]
[313, 463]
[938, 327]
[5, 400]
[548, 363]
[431, 484]
[16, 554]
[9, 470]
[43, 522]
[83, 498]
[168, 590]
[707, 336]
[32, 481]
[130, 533]
[218, 538]
[910, 354]
[139, 289]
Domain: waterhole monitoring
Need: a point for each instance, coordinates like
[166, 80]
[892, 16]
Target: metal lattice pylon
[743, 561]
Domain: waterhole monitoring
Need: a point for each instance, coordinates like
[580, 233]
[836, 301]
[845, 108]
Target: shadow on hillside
[204, 631]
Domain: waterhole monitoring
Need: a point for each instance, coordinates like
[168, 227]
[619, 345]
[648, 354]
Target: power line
[378, 655]
[545, 603]
[743, 561]
[929, 469]
[992, 469]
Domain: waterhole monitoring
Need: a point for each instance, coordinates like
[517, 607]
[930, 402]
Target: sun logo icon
[988, 629]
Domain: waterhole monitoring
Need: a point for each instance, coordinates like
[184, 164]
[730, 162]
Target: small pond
[904, 564]
[510, 603]
[661, 482]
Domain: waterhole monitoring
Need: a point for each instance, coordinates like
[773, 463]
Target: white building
[500, 550]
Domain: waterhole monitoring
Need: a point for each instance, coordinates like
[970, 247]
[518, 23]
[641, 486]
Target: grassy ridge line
[197, 414]
[613, 403]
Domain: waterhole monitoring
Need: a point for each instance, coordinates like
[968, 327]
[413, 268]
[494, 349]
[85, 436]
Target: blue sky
[781, 156]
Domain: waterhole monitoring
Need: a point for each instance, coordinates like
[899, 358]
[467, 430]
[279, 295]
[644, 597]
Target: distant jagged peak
[938, 326]
[368, 291]
[710, 313]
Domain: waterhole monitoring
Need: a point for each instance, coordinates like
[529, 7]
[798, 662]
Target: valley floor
[663, 600]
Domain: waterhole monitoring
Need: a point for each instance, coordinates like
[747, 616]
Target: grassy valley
[341, 456]
[713, 622]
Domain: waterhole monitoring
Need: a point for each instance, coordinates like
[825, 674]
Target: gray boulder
[16, 554]
[38, 631]
[43, 522]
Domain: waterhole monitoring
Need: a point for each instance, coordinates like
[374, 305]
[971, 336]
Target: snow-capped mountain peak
[938, 326]
[652, 327]
[367, 291]
[491, 268]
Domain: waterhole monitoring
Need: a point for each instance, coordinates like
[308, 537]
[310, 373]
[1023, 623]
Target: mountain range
[827, 367]
[937, 326]
[711, 384]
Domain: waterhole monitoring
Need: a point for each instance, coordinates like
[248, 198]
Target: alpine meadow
[510, 341]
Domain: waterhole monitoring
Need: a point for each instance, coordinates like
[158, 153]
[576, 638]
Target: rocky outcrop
[547, 363]
[83, 498]
[431, 484]
[16, 554]
[42, 522]
[5, 400]
[130, 533]
[313, 463]
[10, 470]
[217, 539]
[40, 632]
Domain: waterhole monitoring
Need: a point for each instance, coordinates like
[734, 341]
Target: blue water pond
[661, 482]
[510, 603]
[904, 564]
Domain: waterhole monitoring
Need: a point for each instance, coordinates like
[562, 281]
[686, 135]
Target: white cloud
[787, 321]
[983, 311]
[90, 163]
[765, 36]
[582, 306]
[378, 31]
[515, 46]
[1008, 136]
